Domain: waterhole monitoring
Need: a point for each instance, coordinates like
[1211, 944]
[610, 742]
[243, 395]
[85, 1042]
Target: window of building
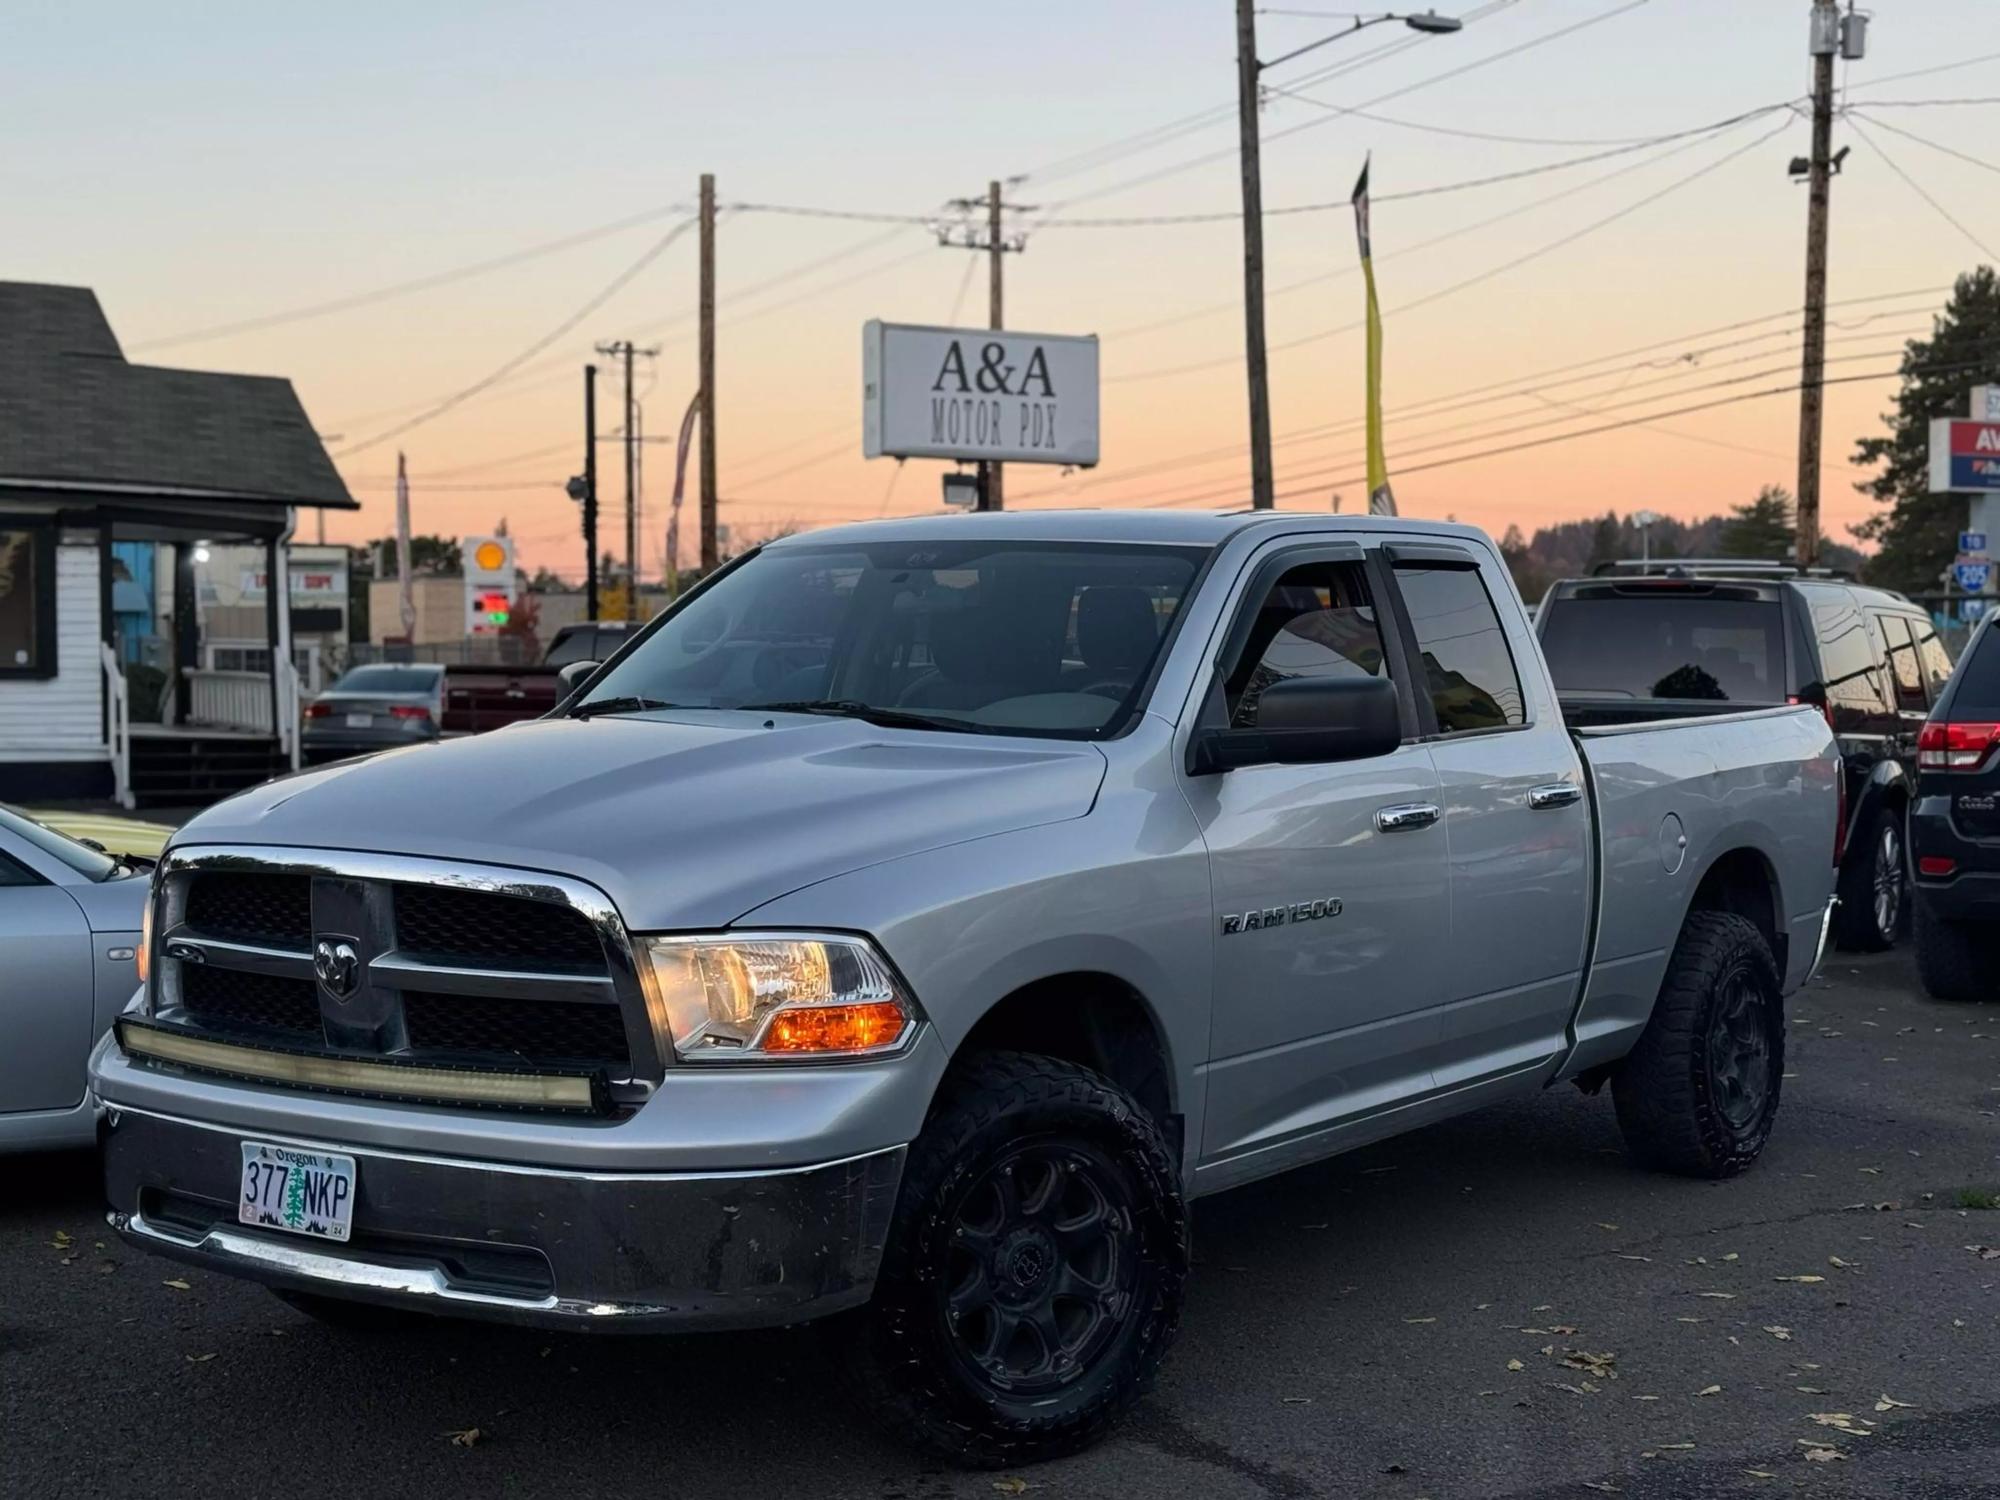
[1473, 683]
[27, 600]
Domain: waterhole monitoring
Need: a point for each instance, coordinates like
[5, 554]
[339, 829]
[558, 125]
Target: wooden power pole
[590, 492]
[992, 493]
[1249, 148]
[709, 557]
[1812, 373]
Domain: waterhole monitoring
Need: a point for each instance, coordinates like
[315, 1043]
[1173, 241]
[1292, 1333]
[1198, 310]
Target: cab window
[1317, 620]
[1470, 671]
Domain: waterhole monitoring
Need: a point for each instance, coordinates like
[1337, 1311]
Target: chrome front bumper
[625, 1251]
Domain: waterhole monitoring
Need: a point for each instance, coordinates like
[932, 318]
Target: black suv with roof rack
[1955, 830]
[1718, 635]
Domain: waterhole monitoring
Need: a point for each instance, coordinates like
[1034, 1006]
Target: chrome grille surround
[354, 899]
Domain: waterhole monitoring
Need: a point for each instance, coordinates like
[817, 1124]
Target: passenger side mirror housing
[1306, 721]
[573, 673]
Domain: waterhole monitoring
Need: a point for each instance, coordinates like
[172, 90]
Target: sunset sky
[229, 162]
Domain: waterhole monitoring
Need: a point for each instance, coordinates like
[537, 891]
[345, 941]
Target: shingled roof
[75, 413]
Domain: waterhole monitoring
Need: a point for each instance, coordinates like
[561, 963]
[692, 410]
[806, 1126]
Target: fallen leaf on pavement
[1011, 1485]
[1709, 1390]
[1844, 1265]
[1844, 1420]
[1760, 1473]
[1298, 1401]
[1825, 1456]
[1890, 1403]
[1732, 1255]
[470, 1435]
[1420, 1320]
[1645, 1398]
[1778, 1331]
[1612, 1227]
[1602, 1486]
[178, 1285]
[1730, 1296]
[1515, 1364]
[198, 1359]
[1807, 1279]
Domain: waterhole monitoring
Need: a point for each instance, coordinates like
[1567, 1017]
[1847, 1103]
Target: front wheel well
[1742, 881]
[1095, 1020]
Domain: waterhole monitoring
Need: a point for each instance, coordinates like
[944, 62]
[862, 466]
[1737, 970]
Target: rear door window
[1851, 667]
[1936, 661]
[1470, 671]
[1667, 645]
[1905, 671]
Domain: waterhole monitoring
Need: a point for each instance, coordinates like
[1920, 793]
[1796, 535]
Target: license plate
[300, 1192]
[360, 721]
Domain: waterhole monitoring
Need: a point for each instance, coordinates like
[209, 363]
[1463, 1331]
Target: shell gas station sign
[488, 565]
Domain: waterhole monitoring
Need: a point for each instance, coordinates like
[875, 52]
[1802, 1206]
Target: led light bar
[383, 1078]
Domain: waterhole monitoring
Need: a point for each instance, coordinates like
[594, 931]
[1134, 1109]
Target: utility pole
[1250, 150]
[997, 246]
[626, 351]
[1812, 393]
[709, 557]
[590, 491]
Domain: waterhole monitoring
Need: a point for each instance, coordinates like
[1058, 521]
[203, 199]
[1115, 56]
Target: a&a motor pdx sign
[974, 393]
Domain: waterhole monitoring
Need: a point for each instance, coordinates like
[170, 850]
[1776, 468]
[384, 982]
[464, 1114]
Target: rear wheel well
[1095, 1020]
[1743, 882]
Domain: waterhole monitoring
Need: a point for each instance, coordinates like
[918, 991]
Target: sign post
[978, 394]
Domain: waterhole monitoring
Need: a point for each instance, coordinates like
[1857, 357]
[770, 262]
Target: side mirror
[573, 673]
[1306, 721]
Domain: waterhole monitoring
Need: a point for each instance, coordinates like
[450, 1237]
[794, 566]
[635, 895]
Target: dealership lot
[1353, 1330]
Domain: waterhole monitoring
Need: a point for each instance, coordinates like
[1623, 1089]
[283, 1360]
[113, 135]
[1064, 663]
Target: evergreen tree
[1918, 535]
[1607, 541]
[1763, 529]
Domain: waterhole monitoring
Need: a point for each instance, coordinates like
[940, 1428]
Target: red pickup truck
[479, 698]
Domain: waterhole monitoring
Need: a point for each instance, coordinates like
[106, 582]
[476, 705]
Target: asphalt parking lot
[1497, 1306]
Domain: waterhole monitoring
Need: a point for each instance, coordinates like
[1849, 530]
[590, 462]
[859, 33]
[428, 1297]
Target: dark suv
[1711, 637]
[1955, 830]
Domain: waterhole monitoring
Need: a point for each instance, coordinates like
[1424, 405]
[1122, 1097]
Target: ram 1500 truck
[907, 925]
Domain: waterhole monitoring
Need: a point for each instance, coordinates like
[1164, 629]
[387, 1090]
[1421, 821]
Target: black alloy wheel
[1043, 1263]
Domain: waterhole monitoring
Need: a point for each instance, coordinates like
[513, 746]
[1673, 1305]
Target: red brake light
[409, 711]
[1936, 864]
[1955, 747]
[318, 710]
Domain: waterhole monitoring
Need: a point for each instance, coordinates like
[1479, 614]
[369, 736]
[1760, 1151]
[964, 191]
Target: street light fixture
[1249, 70]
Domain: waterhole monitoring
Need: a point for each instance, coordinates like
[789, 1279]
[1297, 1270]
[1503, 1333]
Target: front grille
[462, 965]
[271, 910]
[542, 1032]
[477, 927]
[233, 1000]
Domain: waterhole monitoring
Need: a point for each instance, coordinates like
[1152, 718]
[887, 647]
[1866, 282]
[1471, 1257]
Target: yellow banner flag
[1381, 501]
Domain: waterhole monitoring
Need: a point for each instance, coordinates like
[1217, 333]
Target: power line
[416, 284]
[1540, 380]
[1916, 187]
[1921, 103]
[1229, 153]
[1514, 263]
[1966, 62]
[616, 285]
[1911, 135]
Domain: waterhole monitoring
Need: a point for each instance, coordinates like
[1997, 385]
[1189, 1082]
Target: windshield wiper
[868, 713]
[617, 706]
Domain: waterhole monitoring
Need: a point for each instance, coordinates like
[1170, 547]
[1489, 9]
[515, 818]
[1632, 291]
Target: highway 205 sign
[1965, 455]
[974, 393]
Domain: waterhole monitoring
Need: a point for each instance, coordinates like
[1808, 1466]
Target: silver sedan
[70, 917]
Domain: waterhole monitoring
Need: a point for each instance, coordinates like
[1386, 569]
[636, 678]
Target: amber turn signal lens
[836, 1028]
[144, 957]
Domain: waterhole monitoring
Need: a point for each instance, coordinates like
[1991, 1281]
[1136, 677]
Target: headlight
[776, 996]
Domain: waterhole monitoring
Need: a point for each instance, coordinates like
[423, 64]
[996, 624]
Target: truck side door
[1517, 823]
[1328, 882]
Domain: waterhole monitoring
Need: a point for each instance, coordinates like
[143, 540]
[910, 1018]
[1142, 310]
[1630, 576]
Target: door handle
[1555, 794]
[1406, 817]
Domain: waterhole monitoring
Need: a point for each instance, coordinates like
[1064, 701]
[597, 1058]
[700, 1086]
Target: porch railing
[118, 726]
[229, 700]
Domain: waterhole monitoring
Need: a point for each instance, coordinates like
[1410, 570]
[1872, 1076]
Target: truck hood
[686, 820]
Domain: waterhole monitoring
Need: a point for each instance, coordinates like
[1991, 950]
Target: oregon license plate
[360, 721]
[301, 1192]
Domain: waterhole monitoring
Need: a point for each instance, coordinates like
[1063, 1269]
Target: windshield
[1687, 646]
[388, 680]
[1005, 637]
[81, 858]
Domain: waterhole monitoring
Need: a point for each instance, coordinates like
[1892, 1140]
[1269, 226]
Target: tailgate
[481, 698]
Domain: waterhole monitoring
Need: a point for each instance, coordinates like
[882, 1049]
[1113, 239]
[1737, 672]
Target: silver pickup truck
[904, 928]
